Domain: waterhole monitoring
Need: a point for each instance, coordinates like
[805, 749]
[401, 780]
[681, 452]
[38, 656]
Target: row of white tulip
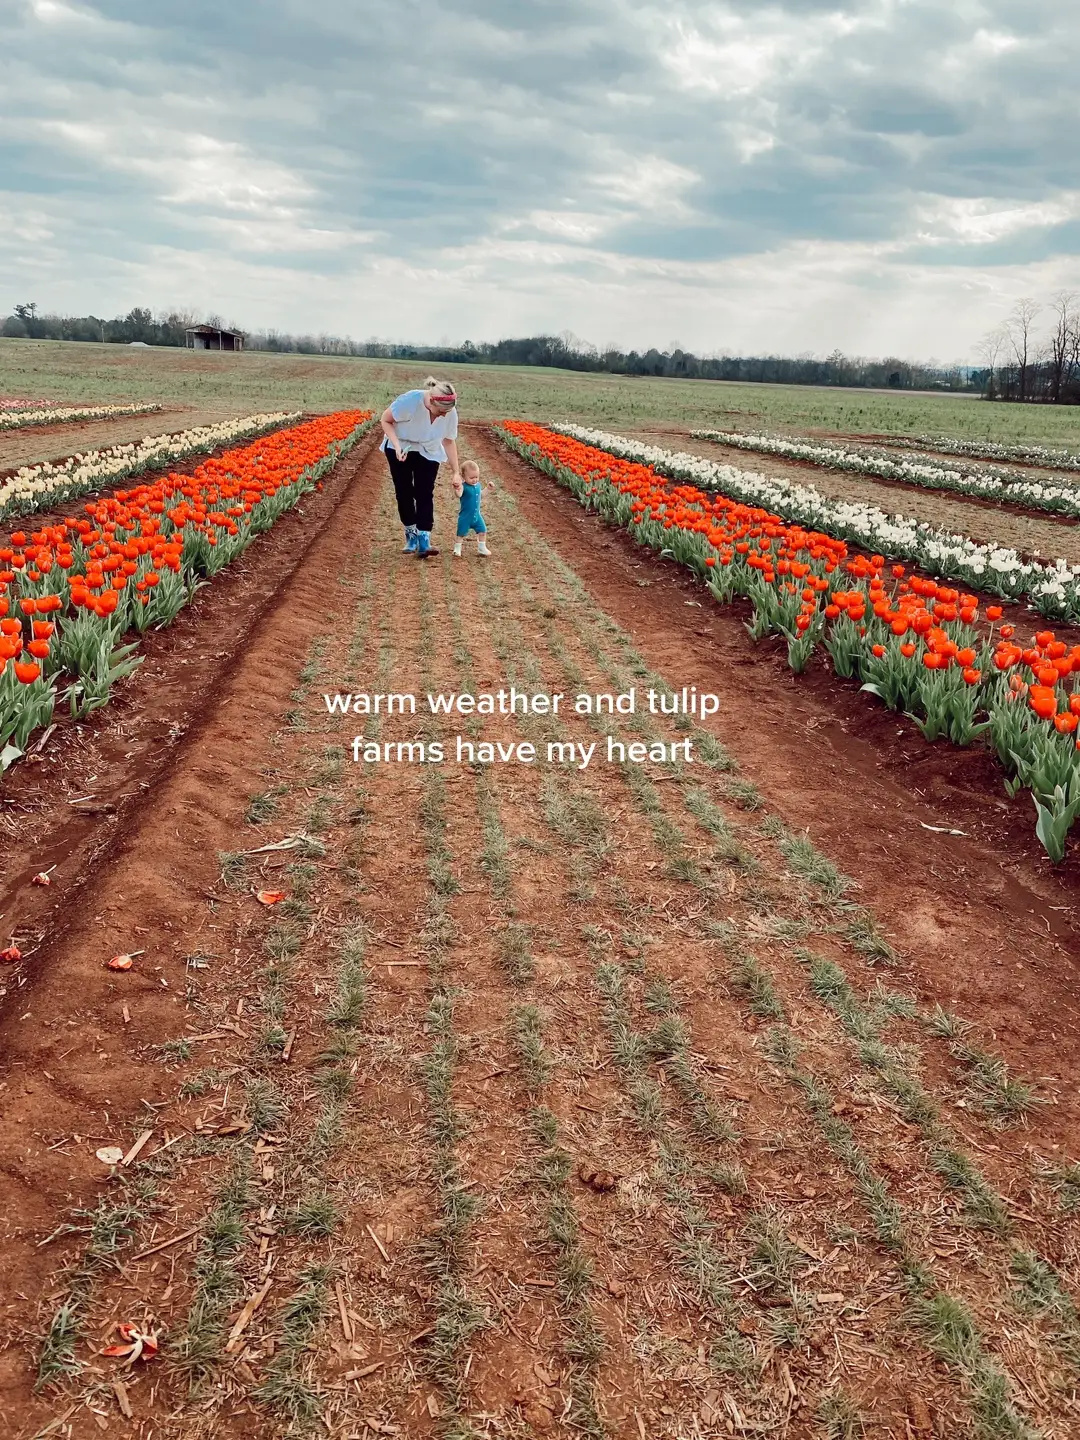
[1042, 455]
[1015, 487]
[19, 419]
[1051, 587]
[40, 487]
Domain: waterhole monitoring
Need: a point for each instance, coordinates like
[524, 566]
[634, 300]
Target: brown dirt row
[636, 1254]
[580, 1093]
[779, 1167]
[149, 889]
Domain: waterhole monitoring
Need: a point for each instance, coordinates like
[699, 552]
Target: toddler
[469, 517]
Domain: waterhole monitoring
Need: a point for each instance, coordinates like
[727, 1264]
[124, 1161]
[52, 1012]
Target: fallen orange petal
[11, 954]
[119, 962]
[269, 897]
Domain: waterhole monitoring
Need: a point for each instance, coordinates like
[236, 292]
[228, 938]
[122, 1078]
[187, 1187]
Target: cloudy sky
[887, 176]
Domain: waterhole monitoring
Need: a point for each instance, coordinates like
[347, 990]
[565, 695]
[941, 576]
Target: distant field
[238, 384]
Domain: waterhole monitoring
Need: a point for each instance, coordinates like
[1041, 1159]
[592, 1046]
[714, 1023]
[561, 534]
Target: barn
[212, 337]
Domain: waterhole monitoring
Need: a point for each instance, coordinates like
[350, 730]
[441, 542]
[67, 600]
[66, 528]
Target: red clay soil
[166, 765]
[981, 915]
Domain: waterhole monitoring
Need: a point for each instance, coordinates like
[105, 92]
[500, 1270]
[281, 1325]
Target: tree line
[138, 325]
[1035, 354]
[567, 352]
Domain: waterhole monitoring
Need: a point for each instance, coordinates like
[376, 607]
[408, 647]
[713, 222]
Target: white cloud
[648, 184]
[984, 222]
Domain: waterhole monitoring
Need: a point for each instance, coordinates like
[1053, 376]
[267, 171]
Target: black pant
[414, 486]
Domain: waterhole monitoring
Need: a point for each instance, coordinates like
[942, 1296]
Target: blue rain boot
[411, 540]
[424, 547]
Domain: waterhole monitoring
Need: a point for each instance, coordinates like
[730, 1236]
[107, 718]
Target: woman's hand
[399, 450]
[458, 483]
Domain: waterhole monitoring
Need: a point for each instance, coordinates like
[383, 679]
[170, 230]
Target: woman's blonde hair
[440, 389]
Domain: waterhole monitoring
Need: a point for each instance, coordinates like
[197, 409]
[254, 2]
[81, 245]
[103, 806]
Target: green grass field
[66, 371]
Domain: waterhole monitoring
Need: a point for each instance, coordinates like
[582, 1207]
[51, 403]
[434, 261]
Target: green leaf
[1050, 831]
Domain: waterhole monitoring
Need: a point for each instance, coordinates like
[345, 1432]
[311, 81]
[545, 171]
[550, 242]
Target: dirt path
[547, 1101]
[1028, 532]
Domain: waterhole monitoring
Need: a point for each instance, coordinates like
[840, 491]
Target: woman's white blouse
[417, 430]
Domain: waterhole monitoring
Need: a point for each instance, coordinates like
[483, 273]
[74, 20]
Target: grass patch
[756, 984]
[951, 1334]
[109, 1228]
[233, 867]
[993, 1088]
[286, 1389]
[264, 805]
[744, 794]
[862, 933]
[217, 1281]
[806, 861]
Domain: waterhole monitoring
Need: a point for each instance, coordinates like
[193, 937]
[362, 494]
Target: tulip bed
[1013, 487]
[20, 402]
[40, 487]
[18, 417]
[1053, 588]
[937, 654]
[70, 592]
[1043, 455]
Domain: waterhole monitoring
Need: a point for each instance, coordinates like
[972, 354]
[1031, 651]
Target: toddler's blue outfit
[469, 517]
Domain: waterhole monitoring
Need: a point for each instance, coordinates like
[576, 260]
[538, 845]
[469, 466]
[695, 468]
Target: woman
[420, 431]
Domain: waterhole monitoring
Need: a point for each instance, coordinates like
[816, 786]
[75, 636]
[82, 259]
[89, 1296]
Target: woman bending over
[420, 432]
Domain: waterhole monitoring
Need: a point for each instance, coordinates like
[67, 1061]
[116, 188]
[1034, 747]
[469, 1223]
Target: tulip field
[615, 1068]
[71, 591]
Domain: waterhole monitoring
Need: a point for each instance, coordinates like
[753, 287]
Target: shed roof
[212, 330]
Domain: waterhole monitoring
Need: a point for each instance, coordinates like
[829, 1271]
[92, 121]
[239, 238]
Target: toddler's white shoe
[481, 548]
[457, 548]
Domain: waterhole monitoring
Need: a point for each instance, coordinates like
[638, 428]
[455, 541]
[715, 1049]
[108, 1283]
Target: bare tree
[1064, 341]
[989, 351]
[1020, 329]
